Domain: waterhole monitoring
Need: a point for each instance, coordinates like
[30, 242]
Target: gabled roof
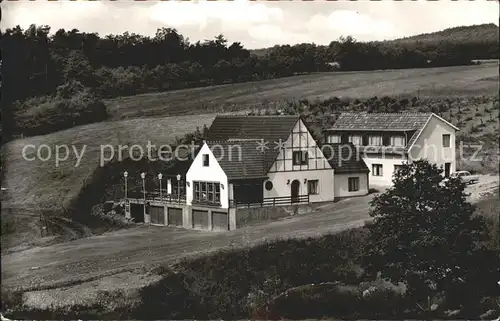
[413, 123]
[269, 128]
[240, 159]
[344, 158]
[381, 121]
[181, 160]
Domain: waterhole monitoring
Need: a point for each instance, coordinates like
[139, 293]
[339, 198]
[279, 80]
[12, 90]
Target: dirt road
[126, 250]
[116, 260]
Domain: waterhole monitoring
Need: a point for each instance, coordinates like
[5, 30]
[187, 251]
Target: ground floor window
[206, 192]
[353, 183]
[377, 169]
[313, 187]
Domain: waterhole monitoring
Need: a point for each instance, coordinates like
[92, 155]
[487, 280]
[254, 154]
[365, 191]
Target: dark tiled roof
[381, 121]
[344, 158]
[413, 122]
[240, 159]
[269, 128]
[181, 160]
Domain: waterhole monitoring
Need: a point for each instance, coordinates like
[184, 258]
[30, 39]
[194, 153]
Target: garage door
[137, 212]
[220, 221]
[200, 219]
[157, 215]
[174, 216]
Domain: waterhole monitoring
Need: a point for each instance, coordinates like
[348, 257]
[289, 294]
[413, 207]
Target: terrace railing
[271, 201]
[155, 196]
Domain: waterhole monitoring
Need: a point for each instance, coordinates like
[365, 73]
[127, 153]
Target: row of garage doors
[220, 220]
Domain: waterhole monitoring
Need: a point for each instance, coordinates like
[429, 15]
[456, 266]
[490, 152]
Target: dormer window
[356, 140]
[333, 139]
[398, 141]
[375, 140]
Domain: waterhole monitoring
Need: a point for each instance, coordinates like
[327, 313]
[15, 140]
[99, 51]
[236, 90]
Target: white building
[271, 160]
[249, 162]
[386, 140]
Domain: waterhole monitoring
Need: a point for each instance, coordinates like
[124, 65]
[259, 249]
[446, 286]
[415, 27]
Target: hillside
[39, 184]
[434, 82]
[485, 33]
[463, 34]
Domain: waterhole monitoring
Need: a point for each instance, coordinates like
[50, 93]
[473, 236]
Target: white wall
[388, 161]
[317, 168]
[212, 173]
[429, 144]
[280, 187]
[342, 184]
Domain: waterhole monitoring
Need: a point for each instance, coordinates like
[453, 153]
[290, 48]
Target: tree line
[53, 70]
[36, 62]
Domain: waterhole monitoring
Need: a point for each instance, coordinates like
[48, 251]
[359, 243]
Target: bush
[231, 284]
[59, 112]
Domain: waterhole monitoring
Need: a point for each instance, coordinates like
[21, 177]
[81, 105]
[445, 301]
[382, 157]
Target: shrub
[426, 235]
[59, 113]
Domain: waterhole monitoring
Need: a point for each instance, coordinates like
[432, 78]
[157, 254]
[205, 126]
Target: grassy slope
[434, 82]
[43, 184]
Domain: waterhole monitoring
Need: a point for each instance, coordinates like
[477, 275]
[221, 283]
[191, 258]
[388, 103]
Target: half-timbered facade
[280, 161]
[300, 168]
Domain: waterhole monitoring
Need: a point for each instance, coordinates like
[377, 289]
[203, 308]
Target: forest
[66, 71]
[36, 62]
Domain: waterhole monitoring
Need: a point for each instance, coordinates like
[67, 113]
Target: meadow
[160, 118]
[423, 83]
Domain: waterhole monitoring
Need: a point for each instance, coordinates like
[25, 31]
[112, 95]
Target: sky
[256, 24]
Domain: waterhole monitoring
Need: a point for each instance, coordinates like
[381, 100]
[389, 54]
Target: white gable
[211, 173]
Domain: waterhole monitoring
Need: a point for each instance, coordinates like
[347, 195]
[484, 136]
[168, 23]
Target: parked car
[466, 177]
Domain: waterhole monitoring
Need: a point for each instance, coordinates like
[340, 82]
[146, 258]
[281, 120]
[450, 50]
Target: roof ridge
[384, 113]
[255, 116]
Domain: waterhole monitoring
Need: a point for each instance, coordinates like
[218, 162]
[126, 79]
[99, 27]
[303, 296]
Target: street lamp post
[178, 186]
[143, 176]
[160, 176]
[125, 175]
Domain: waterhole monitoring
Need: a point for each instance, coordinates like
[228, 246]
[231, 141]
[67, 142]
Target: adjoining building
[387, 140]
